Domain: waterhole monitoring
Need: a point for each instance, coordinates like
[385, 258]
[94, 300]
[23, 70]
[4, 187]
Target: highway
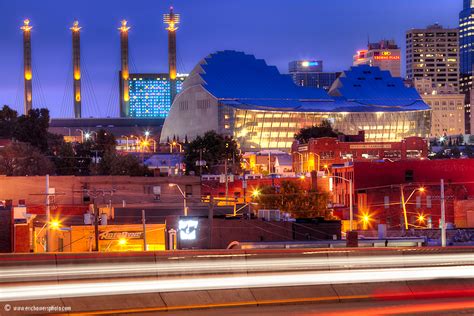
[447, 307]
[147, 283]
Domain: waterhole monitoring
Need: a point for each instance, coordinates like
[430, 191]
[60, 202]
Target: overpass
[99, 283]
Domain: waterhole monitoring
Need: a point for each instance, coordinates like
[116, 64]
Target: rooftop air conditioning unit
[269, 215]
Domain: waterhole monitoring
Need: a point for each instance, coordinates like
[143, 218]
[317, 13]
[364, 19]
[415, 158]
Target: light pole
[82, 134]
[126, 139]
[69, 130]
[180, 146]
[171, 147]
[319, 160]
[184, 197]
[405, 202]
[351, 208]
[302, 160]
[52, 225]
[154, 144]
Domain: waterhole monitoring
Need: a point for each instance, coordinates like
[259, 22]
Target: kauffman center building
[236, 94]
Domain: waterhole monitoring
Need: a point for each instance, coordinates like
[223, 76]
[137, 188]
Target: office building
[433, 53]
[238, 95]
[466, 56]
[150, 95]
[309, 73]
[447, 108]
[384, 54]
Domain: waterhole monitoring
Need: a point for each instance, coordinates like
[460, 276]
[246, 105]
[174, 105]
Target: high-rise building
[150, 94]
[447, 108]
[384, 54]
[433, 53]
[466, 55]
[309, 73]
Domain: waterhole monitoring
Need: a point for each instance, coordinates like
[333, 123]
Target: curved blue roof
[242, 81]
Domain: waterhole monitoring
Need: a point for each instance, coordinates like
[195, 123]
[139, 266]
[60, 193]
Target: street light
[180, 146]
[54, 224]
[421, 219]
[302, 160]
[184, 197]
[82, 134]
[351, 208]
[154, 144]
[256, 193]
[405, 202]
[126, 146]
[366, 219]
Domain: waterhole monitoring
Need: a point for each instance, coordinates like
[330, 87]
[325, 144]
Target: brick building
[327, 151]
[377, 191]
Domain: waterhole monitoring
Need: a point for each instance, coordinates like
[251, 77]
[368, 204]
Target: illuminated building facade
[433, 53]
[447, 108]
[150, 95]
[309, 73]
[466, 57]
[27, 68]
[238, 95]
[384, 54]
[321, 153]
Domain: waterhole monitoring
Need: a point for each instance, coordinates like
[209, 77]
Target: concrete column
[124, 71]
[76, 64]
[27, 66]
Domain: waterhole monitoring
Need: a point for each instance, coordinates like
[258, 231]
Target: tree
[105, 142]
[291, 198]
[215, 150]
[322, 130]
[8, 120]
[65, 160]
[127, 165]
[20, 159]
[33, 128]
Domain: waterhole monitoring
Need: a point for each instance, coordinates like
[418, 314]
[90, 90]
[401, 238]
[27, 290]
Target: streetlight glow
[421, 218]
[55, 224]
[255, 193]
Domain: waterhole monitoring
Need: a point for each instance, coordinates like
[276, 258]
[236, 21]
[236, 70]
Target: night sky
[276, 30]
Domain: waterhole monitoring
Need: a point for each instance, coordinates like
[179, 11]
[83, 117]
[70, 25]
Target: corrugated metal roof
[242, 81]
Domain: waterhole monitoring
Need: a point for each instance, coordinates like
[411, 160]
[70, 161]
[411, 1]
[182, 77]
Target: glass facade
[323, 80]
[150, 94]
[258, 130]
[466, 55]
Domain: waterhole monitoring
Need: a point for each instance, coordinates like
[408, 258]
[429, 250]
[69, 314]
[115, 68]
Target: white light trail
[234, 265]
[81, 288]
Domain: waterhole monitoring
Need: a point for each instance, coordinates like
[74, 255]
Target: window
[189, 190]
[428, 201]
[418, 201]
[408, 175]
[386, 202]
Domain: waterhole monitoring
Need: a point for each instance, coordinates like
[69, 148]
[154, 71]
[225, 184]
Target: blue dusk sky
[276, 30]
